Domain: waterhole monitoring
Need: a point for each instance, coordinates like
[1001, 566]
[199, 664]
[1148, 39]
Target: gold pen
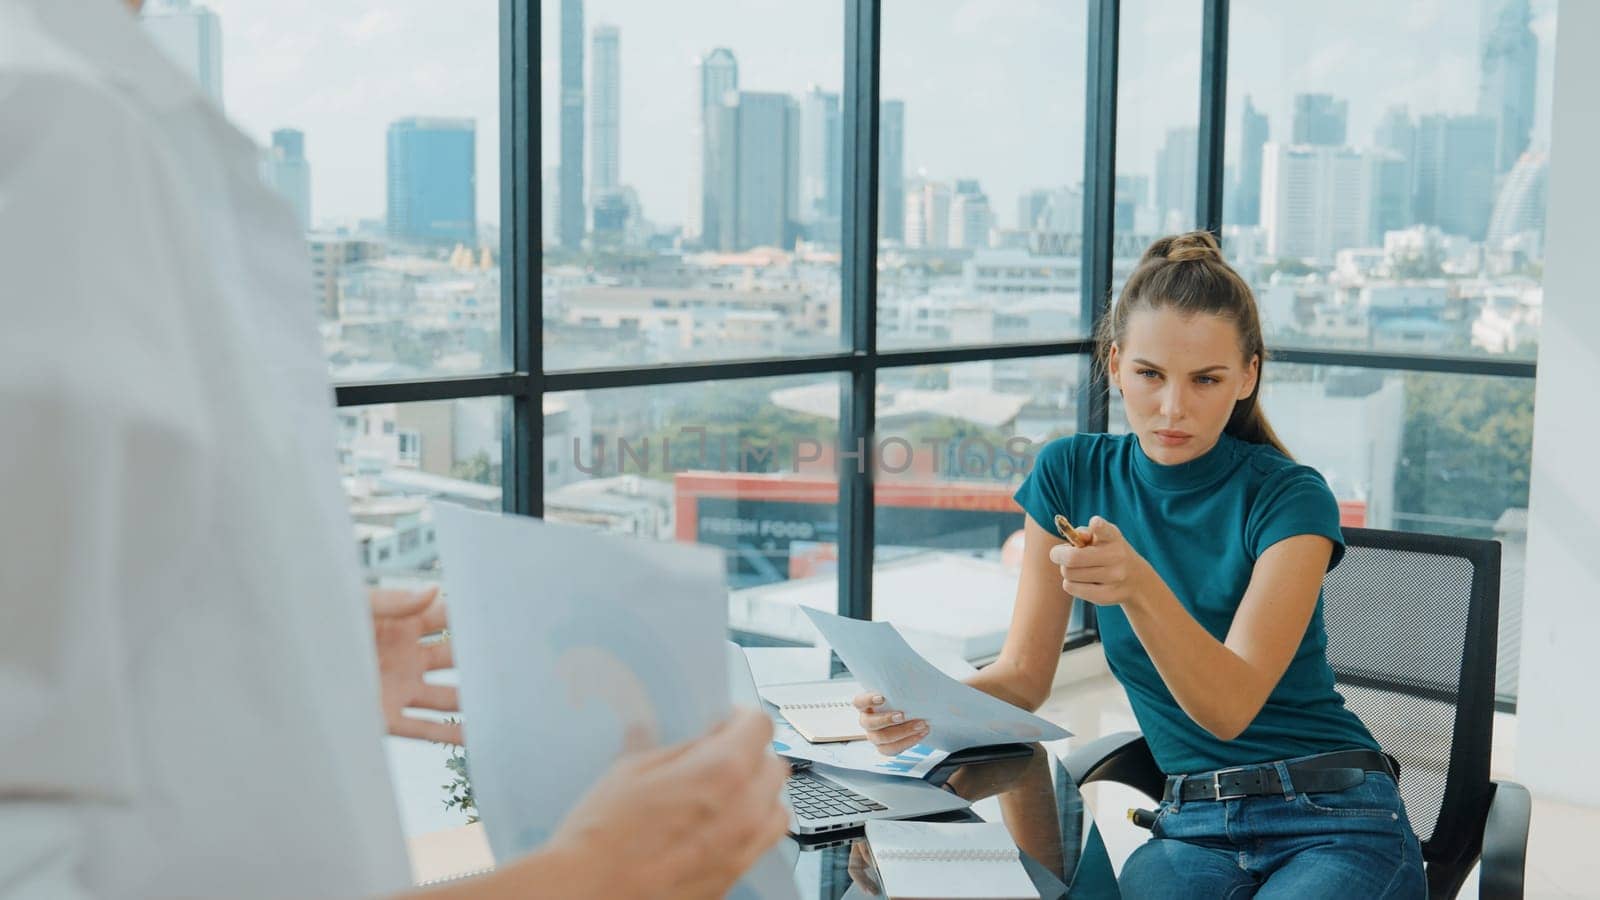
[1072, 535]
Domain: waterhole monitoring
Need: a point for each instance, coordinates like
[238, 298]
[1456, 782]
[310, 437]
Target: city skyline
[315, 79]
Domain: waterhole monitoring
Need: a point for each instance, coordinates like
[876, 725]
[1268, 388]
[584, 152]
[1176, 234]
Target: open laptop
[840, 799]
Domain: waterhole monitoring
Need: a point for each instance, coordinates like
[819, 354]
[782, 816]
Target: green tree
[1466, 451]
[1425, 263]
[474, 468]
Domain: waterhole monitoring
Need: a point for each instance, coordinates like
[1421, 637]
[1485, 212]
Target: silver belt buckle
[1216, 782]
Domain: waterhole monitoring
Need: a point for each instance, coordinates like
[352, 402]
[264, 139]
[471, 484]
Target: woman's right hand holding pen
[888, 729]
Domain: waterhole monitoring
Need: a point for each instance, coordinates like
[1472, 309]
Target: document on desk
[913, 762]
[573, 646]
[958, 716]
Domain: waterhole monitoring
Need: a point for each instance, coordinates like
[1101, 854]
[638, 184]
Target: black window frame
[527, 381]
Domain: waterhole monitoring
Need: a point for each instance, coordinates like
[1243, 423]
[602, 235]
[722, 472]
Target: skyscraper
[1395, 149]
[892, 170]
[1315, 200]
[1396, 132]
[1177, 192]
[1389, 175]
[1508, 67]
[970, 217]
[933, 203]
[605, 114]
[928, 213]
[1319, 119]
[290, 174]
[722, 174]
[768, 169]
[573, 217]
[1031, 208]
[711, 167]
[191, 36]
[1453, 173]
[1520, 206]
[1253, 134]
[1131, 195]
[432, 181]
[821, 162]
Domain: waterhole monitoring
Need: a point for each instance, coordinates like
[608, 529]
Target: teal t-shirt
[1202, 525]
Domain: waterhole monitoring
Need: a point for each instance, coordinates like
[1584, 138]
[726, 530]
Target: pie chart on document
[596, 675]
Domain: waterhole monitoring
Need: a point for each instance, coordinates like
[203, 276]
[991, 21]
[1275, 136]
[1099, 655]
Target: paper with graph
[913, 762]
[574, 647]
[958, 716]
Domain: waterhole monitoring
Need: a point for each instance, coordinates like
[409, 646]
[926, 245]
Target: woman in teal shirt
[1204, 550]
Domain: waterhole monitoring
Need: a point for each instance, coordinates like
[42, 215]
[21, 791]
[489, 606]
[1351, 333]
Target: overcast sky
[993, 88]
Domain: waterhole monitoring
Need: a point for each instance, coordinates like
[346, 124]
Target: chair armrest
[1505, 842]
[1123, 757]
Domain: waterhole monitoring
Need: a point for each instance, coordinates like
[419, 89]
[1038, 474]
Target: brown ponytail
[1186, 273]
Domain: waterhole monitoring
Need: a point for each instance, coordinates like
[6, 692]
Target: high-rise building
[970, 217]
[573, 217]
[1453, 173]
[1253, 135]
[1060, 210]
[933, 211]
[1131, 197]
[768, 169]
[191, 36]
[1031, 207]
[1508, 66]
[892, 170]
[1520, 207]
[1395, 144]
[1396, 132]
[1389, 175]
[331, 254]
[1177, 191]
[1319, 119]
[711, 167]
[821, 163]
[290, 174]
[605, 114]
[432, 181]
[914, 225]
[1315, 200]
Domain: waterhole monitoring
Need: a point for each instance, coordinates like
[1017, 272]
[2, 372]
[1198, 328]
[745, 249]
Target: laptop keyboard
[813, 798]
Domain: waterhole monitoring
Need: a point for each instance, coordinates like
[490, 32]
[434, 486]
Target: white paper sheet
[568, 642]
[958, 716]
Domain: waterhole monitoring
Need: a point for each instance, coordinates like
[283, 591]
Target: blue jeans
[1353, 843]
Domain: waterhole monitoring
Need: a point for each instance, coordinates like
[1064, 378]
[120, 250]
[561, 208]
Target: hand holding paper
[959, 716]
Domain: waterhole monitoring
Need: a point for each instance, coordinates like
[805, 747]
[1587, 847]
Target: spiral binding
[946, 855]
[829, 704]
[459, 876]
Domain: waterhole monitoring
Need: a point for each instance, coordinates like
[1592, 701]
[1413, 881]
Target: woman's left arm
[1222, 685]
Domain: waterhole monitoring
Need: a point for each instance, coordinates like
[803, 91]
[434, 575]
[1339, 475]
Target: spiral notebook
[967, 860]
[822, 711]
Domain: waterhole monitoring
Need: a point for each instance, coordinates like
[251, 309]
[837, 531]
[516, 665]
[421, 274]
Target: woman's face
[1180, 376]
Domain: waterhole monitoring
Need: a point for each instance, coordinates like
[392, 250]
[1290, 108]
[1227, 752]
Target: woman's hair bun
[1192, 245]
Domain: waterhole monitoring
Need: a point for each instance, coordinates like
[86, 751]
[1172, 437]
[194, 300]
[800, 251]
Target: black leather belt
[1322, 773]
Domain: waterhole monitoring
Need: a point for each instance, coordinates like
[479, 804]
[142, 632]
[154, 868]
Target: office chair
[1412, 622]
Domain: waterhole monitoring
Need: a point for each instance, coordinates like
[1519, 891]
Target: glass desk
[1032, 795]
[1030, 792]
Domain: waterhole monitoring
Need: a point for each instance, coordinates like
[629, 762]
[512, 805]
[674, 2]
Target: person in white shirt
[189, 691]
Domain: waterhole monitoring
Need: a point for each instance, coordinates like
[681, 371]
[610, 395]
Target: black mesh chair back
[1411, 621]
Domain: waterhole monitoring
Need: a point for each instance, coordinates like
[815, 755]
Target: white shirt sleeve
[103, 460]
